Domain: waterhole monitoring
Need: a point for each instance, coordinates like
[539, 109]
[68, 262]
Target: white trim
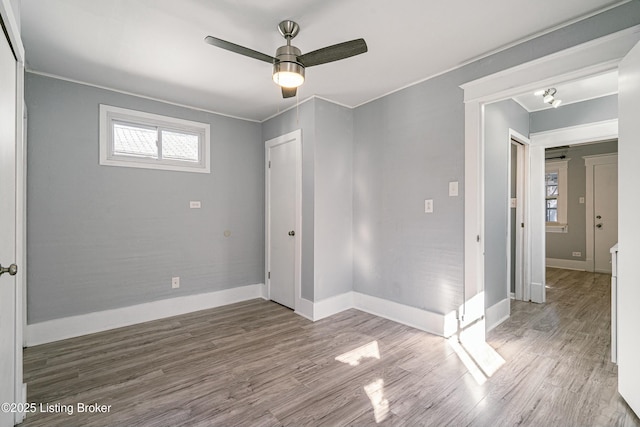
[301, 306]
[586, 59]
[74, 326]
[589, 163]
[522, 214]
[434, 323]
[332, 305]
[110, 114]
[580, 61]
[137, 95]
[21, 234]
[9, 19]
[567, 264]
[538, 293]
[304, 308]
[580, 134]
[497, 313]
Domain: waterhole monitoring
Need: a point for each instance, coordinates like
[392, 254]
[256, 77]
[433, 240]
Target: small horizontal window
[132, 138]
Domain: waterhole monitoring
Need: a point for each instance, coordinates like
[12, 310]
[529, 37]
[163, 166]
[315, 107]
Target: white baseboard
[304, 308]
[333, 305]
[568, 264]
[537, 292]
[434, 323]
[74, 326]
[497, 313]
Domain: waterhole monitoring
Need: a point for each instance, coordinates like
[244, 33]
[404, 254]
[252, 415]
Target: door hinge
[478, 238]
[269, 164]
[522, 224]
[269, 275]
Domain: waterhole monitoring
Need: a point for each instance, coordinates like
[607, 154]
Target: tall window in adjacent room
[132, 138]
[556, 195]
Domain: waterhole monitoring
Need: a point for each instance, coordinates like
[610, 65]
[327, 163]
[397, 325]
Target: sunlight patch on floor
[375, 391]
[355, 356]
[480, 359]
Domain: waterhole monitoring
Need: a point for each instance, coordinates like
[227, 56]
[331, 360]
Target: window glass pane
[551, 178]
[552, 190]
[552, 204]
[179, 146]
[131, 140]
[552, 215]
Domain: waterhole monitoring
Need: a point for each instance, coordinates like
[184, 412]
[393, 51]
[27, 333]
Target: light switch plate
[194, 204]
[428, 206]
[581, 200]
[514, 202]
[453, 188]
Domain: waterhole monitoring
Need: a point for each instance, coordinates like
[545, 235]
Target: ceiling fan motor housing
[287, 61]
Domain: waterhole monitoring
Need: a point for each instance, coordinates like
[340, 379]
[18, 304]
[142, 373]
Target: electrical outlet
[428, 206]
[576, 253]
[175, 282]
[194, 204]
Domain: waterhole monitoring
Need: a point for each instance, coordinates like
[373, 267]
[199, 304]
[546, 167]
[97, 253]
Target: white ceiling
[155, 48]
[572, 92]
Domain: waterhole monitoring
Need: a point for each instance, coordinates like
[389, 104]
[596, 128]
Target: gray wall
[498, 119]
[327, 151]
[102, 237]
[408, 146]
[594, 110]
[561, 245]
[85, 219]
[333, 200]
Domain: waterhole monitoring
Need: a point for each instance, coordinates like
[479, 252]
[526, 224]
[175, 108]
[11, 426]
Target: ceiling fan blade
[289, 92]
[239, 49]
[334, 53]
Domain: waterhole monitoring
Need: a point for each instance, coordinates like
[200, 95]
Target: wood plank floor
[257, 363]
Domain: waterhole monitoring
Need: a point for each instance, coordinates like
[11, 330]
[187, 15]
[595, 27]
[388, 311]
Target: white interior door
[517, 210]
[7, 228]
[605, 211]
[283, 225]
[629, 238]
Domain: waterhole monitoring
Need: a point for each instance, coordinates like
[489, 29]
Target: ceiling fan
[289, 63]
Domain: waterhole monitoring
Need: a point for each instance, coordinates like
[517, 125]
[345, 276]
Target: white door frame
[587, 59]
[13, 33]
[294, 137]
[573, 135]
[523, 273]
[589, 163]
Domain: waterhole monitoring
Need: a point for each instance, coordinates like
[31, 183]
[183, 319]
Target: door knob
[292, 233]
[12, 270]
[598, 217]
[599, 225]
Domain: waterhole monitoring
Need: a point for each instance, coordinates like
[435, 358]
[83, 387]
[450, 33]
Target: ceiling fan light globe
[556, 103]
[288, 79]
[288, 74]
[548, 99]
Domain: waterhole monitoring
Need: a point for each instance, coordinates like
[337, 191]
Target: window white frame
[109, 115]
[561, 167]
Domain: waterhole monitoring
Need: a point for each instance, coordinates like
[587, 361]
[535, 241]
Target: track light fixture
[549, 96]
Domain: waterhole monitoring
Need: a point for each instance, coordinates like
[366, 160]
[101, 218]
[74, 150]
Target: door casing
[295, 138]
